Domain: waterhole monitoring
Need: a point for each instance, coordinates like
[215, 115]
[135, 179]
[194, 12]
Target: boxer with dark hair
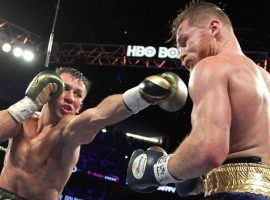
[44, 148]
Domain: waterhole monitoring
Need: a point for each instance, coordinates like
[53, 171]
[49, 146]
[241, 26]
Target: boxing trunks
[241, 179]
[6, 195]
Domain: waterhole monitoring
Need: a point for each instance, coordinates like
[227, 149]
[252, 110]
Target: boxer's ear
[78, 111]
[215, 27]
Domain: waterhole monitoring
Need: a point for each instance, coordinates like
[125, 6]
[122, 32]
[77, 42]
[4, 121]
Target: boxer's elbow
[215, 154]
[215, 159]
[216, 145]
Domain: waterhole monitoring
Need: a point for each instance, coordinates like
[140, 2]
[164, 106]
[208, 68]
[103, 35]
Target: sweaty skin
[230, 95]
[43, 151]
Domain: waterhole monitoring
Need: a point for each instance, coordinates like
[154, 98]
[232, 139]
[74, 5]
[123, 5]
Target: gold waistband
[239, 177]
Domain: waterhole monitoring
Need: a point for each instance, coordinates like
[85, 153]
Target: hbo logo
[163, 52]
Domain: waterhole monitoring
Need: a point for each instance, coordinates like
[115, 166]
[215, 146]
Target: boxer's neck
[229, 44]
[47, 117]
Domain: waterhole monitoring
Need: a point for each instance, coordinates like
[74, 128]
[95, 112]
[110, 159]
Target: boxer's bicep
[211, 114]
[84, 127]
[9, 128]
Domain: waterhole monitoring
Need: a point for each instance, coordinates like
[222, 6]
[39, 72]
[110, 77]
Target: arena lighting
[75, 169]
[104, 130]
[148, 139]
[17, 52]
[28, 55]
[112, 178]
[6, 47]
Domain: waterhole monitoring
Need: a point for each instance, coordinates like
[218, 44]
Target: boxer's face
[194, 43]
[70, 101]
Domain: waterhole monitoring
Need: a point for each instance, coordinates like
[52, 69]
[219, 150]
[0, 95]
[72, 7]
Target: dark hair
[77, 74]
[196, 11]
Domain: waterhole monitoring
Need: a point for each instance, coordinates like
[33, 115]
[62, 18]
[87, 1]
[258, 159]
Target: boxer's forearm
[196, 156]
[188, 161]
[112, 110]
[84, 127]
[8, 126]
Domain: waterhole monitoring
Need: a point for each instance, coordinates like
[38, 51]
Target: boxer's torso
[37, 166]
[249, 98]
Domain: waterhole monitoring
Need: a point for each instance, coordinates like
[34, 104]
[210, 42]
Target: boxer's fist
[44, 86]
[178, 93]
[167, 90]
[154, 88]
[147, 170]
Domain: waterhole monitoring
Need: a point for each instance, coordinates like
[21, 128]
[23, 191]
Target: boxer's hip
[237, 176]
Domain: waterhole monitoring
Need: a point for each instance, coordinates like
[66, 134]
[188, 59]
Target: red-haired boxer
[230, 137]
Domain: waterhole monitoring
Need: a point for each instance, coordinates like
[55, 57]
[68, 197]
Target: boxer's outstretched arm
[84, 127]
[207, 146]
[167, 90]
[9, 127]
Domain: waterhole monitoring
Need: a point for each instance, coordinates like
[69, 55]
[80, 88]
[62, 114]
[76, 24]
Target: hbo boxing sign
[149, 52]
